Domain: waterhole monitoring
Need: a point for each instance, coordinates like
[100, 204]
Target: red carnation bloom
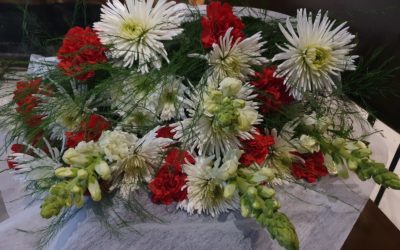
[219, 19]
[312, 169]
[15, 148]
[24, 96]
[89, 130]
[167, 185]
[165, 132]
[256, 150]
[272, 92]
[81, 48]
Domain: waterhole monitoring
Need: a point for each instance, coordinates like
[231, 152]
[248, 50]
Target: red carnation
[272, 92]
[89, 130]
[219, 19]
[165, 132]
[167, 185]
[256, 150]
[312, 169]
[81, 48]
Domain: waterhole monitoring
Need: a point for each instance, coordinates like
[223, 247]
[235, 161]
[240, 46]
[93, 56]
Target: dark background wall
[26, 29]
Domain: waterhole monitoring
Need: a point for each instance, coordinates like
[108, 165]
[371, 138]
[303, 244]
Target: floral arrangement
[196, 109]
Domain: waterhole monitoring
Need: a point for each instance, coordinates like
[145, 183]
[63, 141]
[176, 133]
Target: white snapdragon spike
[205, 184]
[316, 53]
[235, 59]
[218, 118]
[135, 31]
[38, 164]
[143, 156]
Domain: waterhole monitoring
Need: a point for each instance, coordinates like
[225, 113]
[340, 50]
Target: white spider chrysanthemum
[134, 31]
[167, 99]
[143, 156]
[219, 117]
[205, 184]
[234, 59]
[315, 54]
[37, 165]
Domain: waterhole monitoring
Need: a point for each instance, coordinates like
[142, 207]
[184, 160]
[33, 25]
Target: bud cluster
[86, 168]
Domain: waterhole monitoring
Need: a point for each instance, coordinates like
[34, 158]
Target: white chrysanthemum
[135, 31]
[144, 155]
[219, 117]
[168, 98]
[315, 53]
[205, 184]
[37, 165]
[235, 59]
[116, 144]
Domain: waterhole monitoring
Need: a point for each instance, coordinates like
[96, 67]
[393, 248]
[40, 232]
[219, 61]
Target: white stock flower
[116, 144]
[317, 51]
[307, 144]
[135, 31]
[235, 59]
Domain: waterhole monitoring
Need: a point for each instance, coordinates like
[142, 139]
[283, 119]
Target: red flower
[80, 49]
[312, 169]
[219, 19]
[24, 96]
[167, 185]
[89, 130]
[165, 132]
[256, 150]
[15, 148]
[272, 91]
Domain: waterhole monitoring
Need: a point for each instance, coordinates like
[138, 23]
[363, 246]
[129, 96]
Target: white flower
[205, 184]
[315, 54]
[307, 144]
[82, 154]
[144, 155]
[218, 117]
[235, 59]
[135, 30]
[37, 165]
[116, 144]
[167, 99]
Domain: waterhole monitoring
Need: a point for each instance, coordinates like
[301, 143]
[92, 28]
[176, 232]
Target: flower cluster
[207, 136]
[81, 48]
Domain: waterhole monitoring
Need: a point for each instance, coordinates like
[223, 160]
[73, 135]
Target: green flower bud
[65, 172]
[79, 200]
[103, 170]
[229, 190]
[268, 172]
[82, 174]
[266, 192]
[72, 157]
[252, 192]
[245, 207]
[352, 164]
[94, 188]
[257, 203]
